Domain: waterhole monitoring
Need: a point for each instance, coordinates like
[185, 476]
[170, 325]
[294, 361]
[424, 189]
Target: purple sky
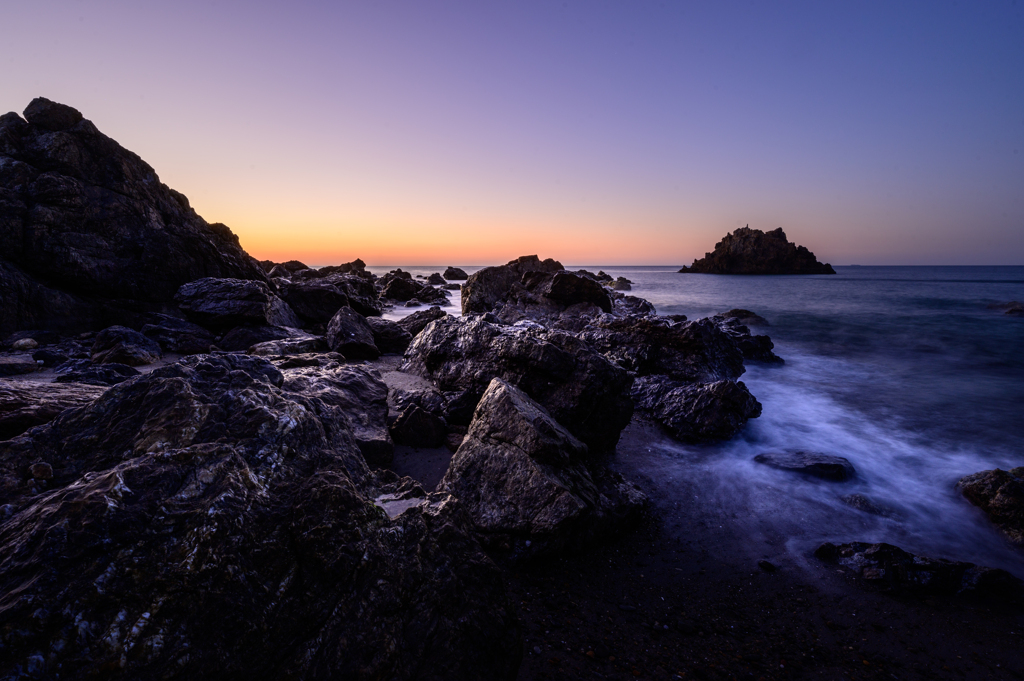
[597, 132]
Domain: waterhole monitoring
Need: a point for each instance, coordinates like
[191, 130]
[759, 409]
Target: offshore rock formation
[751, 251]
[139, 531]
[90, 235]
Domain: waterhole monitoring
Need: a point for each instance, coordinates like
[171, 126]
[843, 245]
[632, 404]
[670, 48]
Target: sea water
[904, 371]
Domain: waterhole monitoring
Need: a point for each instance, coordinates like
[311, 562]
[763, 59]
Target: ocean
[904, 371]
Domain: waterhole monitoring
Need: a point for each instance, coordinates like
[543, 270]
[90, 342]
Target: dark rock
[452, 287]
[221, 304]
[351, 335]
[435, 279]
[418, 428]
[18, 364]
[417, 321]
[866, 505]
[894, 569]
[241, 338]
[579, 387]
[696, 412]
[296, 345]
[121, 345]
[624, 305]
[455, 274]
[745, 317]
[26, 405]
[809, 463]
[314, 301]
[49, 358]
[357, 267]
[401, 289]
[428, 295]
[25, 344]
[83, 371]
[491, 285]
[1000, 494]
[751, 251]
[178, 335]
[40, 336]
[202, 495]
[521, 476]
[279, 272]
[567, 288]
[360, 291]
[389, 336]
[621, 284]
[767, 566]
[90, 235]
[757, 348]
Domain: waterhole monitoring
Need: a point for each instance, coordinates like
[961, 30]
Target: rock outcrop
[696, 412]
[140, 530]
[491, 285]
[90, 235]
[1000, 494]
[814, 464]
[351, 335]
[455, 274]
[26, 405]
[221, 304]
[751, 251]
[120, 345]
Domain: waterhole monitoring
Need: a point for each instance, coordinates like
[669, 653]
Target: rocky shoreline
[254, 442]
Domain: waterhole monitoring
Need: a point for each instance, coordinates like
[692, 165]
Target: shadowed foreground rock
[25, 405]
[522, 478]
[696, 412]
[204, 522]
[220, 304]
[1000, 494]
[751, 251]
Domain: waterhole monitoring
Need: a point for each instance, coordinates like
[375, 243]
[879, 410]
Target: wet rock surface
[491, 285]
[814, 464]
[1000, 494]
[84, 371]
[24, 406]
[351, 335]
[121, 345]
[751, 251]
[696, 412]
[418, 321]
[220, 304]
[389, 336]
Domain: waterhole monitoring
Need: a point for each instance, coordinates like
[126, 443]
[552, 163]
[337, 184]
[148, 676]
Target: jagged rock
[351, 335]
[221, 304]
[418, 428]
[625, 306]
[521, 475]
[580, 388]
[279, 273]
[745, 317]
[296, 345]
[491, 285]
[360, 291]
[435, 279]
[357, 267]
[698, 351]
[26, 405]
[428, 295]
[400, 289]
[178, 335]
[867, 505]
[894, 569]
[121, 345]
[757, 348]
[567, 288]
[620, 284]
[817, 465]
[241, 338]
[455, 274]
[84, 371]
[696, 412]
[389, 336]
[417, 321]
[18, 364]
[1000, 494]
[314, 301]
[91, 236]
[204, 494]
[751, 251]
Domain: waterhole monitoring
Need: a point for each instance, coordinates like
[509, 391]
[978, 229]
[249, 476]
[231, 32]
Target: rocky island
[205, 466]
[751, 251]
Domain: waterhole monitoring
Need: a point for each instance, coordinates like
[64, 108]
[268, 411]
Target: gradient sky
[592, 132]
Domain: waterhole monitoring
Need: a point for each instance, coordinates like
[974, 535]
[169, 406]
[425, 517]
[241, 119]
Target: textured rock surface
[893, 568]
[314, 301]
[814, 464]
[221, 304]
[26, 405]
[241, 338]
[178, 335]
[84, 371]
[417, 321]
[756, 348]
[579, 387]
[455, 274]
[1000, 494]
[491, 285]
[90, 233]
[522, 477]
[751, 251]
[120, 345]
[696, 412]
[351, 335]
[203, 495]
[418, 428]
[389, 336]
[17, 365]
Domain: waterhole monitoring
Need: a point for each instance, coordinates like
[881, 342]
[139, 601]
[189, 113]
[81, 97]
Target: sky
[593, 132]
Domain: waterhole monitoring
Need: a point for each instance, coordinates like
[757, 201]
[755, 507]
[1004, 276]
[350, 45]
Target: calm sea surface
[902, 370]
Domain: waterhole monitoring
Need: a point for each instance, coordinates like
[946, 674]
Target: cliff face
[751, 251]
[89, 231]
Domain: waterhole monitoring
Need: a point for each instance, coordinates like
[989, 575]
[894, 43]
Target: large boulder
[522, 477]
[756, 348]
[241, 338]
[351, 335]
[314, 301]
[121, 345]
[1000, 494]
[696, 412]
[26, 405]
[389, 336]
[206, 494]
[455, 274]
[89, 232]
[84, 371]
[579, 387]
[360, 291]
[178, 335]
[751, 251]
[567, 288]
[492, 285]
[418, 320]
[220, 304]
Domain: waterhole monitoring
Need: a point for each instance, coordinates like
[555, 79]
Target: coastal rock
[389, 336]
[360, 291]
[24, 344]
[581, 389]
[418, 321]
[17, 365]
[90, 234]
[896, 570]
[220, 304]
[435, 279]
[121, 345]
[696, 412]
[491, 285]
[625, 306]
[817, 465]
[178, 335]
[241, 338]
[357, 268]
[521, 476]
[1000, 494]
[40, 336]
[205, 478]
[751, 251]
[745, 317]
[401, 289]
[567, 288]
[756, 348]
[620, 284]
[418, 428]
[84, 371]
[296, 345]
[315, 301]
[455, 274]
[26, 405]
[351, 335]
